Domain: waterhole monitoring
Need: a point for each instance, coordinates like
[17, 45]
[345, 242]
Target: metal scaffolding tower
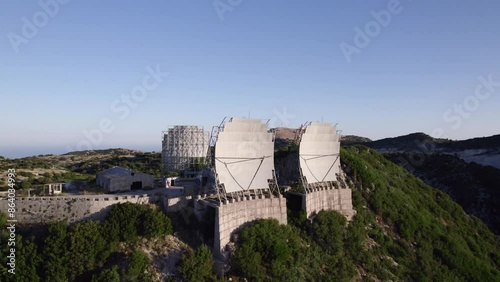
[184, 148]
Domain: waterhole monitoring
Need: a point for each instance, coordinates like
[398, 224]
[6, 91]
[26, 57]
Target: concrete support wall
[200, 206]
[38, 210]
[233, 215]
[175, 204]
[329, 199]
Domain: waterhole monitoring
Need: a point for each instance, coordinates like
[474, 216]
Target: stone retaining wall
[329, 199]
[36, 210]
[232, 215]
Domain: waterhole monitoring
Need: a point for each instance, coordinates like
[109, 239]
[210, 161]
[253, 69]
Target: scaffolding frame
[300, 132]
[183, 148]
[217, 188]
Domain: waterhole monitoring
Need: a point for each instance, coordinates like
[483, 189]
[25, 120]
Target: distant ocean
[13, 152]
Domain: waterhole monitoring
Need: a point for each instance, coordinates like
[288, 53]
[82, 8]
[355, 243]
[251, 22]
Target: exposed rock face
[483, 157]
[165, 253]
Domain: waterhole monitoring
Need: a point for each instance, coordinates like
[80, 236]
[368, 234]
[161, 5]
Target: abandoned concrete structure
[320, 171]
[241, 182]
[119, 179]
[74, 208]
[54, 188]
[232, 214]
[328, 198]
[245, 187]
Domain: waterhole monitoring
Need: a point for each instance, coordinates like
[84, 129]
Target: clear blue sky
[262, 57]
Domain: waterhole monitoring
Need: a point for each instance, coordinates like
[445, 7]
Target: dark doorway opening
[209, 220]
[295, 201]
[136, 185]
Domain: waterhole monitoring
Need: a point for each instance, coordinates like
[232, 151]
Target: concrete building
[118, 179]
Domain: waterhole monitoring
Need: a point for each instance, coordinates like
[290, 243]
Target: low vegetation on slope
[268, 251]
[404, 230]
[83, 165]
[88, 250]
[353, 139]
[473, 186]
[427, 234]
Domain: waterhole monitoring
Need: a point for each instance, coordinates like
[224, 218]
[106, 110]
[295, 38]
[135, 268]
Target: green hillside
[473, 186]
[426, 232]
[404, 230]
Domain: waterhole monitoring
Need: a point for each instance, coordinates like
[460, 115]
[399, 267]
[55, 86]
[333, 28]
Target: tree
[4, 252]
[107, 275]
[127, 221]
[155, 224]
[25, 184]
[328, 230]
[197, 266]
[249, 263]
[87, 247]
[55, 253]
[122, 222]
[27, 260]
[137, 266]
[267, 245]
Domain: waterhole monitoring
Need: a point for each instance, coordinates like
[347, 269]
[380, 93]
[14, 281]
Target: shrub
[137, 266]
[155, 224]
[107, 275]
[328, 230]
[87, 247]
[197, 266]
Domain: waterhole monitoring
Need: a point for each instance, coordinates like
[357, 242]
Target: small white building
[119, 179]
[54, 188]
